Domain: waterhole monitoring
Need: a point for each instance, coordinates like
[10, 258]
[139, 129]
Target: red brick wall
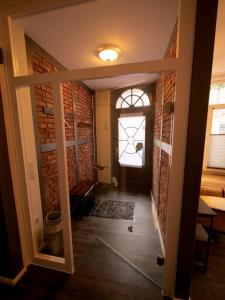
[155, 174]
[85, 127]
[169, 93]
[72, 167]
[86, 155]
[46, 123]
[50, 180]
[84, 112]
[158, 109]
[46, 130]
[163, 199]
[68, 110]
[163, 131]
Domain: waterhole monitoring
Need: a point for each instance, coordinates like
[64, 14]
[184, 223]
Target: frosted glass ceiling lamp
[108, 54]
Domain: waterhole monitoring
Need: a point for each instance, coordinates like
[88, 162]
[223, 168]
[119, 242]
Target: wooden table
[217, 203]
[205, 211]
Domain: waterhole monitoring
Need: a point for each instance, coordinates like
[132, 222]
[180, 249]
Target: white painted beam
[63, 176]
[186, 33]
[155, 66]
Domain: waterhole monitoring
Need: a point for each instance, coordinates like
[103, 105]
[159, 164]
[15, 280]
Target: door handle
[100, 167]
[139, 147]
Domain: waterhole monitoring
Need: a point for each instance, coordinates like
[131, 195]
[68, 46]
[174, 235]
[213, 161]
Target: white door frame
[182, 65]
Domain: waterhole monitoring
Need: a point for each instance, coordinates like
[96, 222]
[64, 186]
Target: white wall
[103, 134]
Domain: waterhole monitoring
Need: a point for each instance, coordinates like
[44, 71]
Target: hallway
[140, 246]
[99, 273]
[115, 109]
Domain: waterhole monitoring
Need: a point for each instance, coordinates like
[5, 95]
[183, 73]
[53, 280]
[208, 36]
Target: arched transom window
[132, 98]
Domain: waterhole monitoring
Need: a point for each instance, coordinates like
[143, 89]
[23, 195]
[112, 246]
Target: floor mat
[114, 209]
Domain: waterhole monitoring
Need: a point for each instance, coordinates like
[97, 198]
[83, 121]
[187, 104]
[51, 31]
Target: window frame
[132, 106]
[128, 115]
[206, 169]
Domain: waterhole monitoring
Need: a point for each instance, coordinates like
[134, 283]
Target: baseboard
[13, 281]
[174, 298]
[156, 221]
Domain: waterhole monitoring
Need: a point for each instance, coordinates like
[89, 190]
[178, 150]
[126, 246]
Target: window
[131, 139]
[216, 148]
[132, 98]
[214, 157]
[217, 94]
[131, 128]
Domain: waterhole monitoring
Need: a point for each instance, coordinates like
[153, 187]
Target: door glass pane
[125, 104]
[131, 140]
[135, 99]
[52, 242]
[119, 102]
[127, 93]
[145, 99]
[139, 103]
[137, 92]
[132, 97]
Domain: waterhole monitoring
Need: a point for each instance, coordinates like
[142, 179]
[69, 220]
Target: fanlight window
[132, 98]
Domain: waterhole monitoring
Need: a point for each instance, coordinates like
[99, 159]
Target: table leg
[208, 243]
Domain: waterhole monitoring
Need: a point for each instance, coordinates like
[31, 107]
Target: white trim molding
[156, 222]
[163, 146]
[13, 281]
[186, 35]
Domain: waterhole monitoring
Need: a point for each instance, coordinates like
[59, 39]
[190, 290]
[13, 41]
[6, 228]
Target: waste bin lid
[53, 222]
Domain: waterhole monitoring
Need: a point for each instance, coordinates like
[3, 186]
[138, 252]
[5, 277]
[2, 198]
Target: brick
[165, 92]
[46, 127]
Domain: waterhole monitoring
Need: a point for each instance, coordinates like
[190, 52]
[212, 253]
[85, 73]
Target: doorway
[131, 137]
[161, 65]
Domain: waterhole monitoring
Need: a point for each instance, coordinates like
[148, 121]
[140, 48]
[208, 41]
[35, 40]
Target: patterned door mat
[114, 209]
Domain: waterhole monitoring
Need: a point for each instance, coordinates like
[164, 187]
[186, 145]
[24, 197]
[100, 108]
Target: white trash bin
[53, 233]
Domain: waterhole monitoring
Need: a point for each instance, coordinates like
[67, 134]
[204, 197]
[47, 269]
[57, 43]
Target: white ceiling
[141, 28]
[120, 81]
[219, 47]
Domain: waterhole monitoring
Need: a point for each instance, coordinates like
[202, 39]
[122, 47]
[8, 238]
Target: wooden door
[131, 137]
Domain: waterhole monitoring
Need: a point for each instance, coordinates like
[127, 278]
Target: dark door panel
[131, 142]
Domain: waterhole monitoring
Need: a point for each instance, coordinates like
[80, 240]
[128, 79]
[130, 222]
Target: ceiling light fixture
[109, 53]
